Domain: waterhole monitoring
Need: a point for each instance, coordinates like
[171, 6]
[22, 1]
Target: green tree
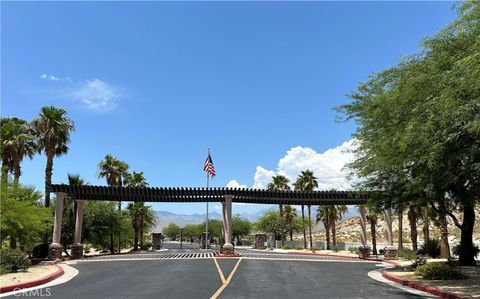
[52, 128]
[172, 231]
[418, 126]
[240, 227]
[306, 181]
[22, 216]
[101, 221]
[17, 142]
[114, 171]
[279, 183]
[136, 209]
[271, 223]
[290, 215]
[323, 215]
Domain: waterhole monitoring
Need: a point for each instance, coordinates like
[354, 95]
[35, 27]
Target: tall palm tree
[336, 214]
[136, 209]
[290, 213]
[323, 215]
[17, 142]
[372, 215]
[306, 181]
[412, 221]
[52, 128]
[279, 183]
[114, 171]
[148, 221]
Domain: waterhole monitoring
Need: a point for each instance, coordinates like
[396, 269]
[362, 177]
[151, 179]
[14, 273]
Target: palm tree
[306, 181]
[52, 128]
[323, 214]
[114, 171]
[290, 213]
[148, 221]
[336, 214]
[279, 183]
[372, 218]
[136, 209]
[18, 141]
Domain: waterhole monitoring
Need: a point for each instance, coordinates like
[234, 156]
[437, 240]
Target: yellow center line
[225, 284]
[222, 277]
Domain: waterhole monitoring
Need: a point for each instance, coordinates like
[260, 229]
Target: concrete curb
[420, 287]
[347, 257]
[32, 283]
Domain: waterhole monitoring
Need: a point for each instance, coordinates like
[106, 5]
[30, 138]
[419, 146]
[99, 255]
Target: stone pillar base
[390, 253]
[227, 249]
[55, 252]
[76, 251]
[363, 252]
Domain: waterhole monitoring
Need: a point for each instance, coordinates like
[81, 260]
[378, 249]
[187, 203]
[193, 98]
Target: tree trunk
[467, 257]
[282, 237]
[310, 226]
[48, 178]
[111, 238]
[400, 229]
[373, 222]
[426, 224]
[304, 231]
[444, 246]
[291, 232]
[334, 231]
[17, 172]
[13, 243]
[412, 220]
[120, 228]
[135, 239]
[141, 236]
[4, 173]
[327, 232]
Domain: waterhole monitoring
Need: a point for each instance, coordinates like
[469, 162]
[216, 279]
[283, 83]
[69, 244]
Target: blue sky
[157, 83]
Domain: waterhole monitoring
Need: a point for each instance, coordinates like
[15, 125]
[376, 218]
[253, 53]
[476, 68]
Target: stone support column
[77, 247]
[228, 246]
[390, 251]
[55, 250]
[363, 251]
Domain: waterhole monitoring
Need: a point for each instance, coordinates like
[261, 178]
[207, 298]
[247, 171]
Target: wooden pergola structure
[226, 196]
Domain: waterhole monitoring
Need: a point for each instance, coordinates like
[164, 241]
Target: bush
[299, 248]
[456, 250]
[13, 261]
[431, 247]
[87, 249]
[406, 253]
[439, 271]
[336, 249]
[287, 247]
[419, 261]
[40, 251]
[313, 249]
[353, 249]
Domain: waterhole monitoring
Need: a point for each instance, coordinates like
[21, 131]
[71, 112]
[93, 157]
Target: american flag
[208, 166]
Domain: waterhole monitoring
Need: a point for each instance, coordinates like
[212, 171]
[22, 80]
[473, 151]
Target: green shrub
[336, 249]
[406, 253]
[298, 248]
[431, 247]
[287, 247]
[313, 249]
[87, 249]
[439, 271]
[456, 250]
[13, 261]
[353, 249]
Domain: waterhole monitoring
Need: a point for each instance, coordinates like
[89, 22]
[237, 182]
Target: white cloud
[328, 167]
[54, 78]
[97, 95]
[235, 184]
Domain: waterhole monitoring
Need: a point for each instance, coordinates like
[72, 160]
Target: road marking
[225, 284]
[220, 272]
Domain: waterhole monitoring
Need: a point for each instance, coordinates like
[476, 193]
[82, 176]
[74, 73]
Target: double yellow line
[225, 282]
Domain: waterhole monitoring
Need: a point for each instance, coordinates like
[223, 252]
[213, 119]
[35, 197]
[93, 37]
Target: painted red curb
[32, 283]
[420, 287]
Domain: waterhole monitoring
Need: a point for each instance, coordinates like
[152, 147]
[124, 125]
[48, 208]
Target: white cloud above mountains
[328, 167]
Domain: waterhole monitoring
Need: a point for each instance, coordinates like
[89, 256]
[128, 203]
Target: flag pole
[206, 218]
[206, 214]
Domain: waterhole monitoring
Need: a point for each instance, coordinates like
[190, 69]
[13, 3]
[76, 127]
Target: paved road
[200, 278]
